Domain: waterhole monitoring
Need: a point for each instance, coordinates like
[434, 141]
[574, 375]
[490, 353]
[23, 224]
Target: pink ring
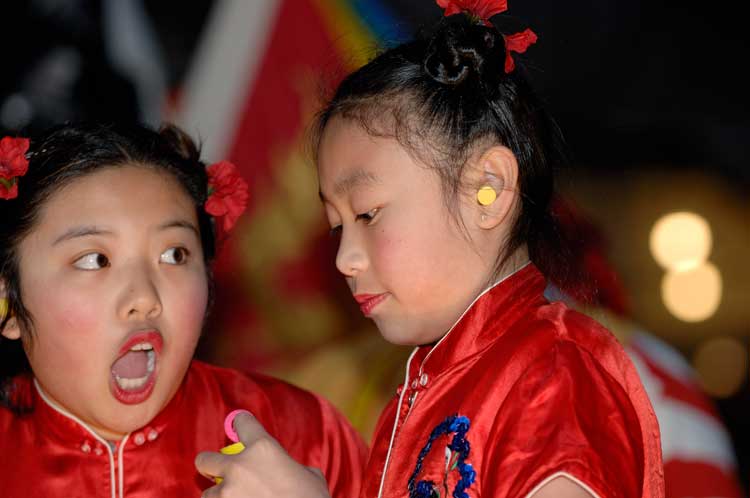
[229, 428]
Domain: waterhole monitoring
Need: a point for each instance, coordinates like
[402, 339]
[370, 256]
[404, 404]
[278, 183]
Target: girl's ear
[494, 186]
[11, 330]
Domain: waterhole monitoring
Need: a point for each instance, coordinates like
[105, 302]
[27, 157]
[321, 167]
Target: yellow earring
[3, 308]
[486, 195]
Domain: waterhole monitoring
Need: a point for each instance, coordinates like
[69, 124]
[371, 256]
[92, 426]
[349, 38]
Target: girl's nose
[141, 299]
[351, 258]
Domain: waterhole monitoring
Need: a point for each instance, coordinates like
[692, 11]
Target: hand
[263, 470]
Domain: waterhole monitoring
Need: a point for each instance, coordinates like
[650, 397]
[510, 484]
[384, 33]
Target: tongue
[132, 365]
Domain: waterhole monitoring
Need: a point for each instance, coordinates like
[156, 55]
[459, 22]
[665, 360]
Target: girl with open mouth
[107, 235]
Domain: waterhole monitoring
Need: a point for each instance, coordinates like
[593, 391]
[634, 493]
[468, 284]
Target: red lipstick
[367, 302]
[150, 336]
[129, 390]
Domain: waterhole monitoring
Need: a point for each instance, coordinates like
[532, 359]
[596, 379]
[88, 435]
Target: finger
[249, 429]
[210, 463]
[228, 425]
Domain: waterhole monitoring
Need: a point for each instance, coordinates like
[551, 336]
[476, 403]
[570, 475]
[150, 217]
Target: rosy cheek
[79, 316]
[197, 302]
[382, 247]
[192, 303]
[388, 252]
[67, 326]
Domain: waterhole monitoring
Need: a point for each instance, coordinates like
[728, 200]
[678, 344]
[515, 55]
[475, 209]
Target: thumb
[249, 429]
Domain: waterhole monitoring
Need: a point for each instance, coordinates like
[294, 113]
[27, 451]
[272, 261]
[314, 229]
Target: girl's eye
[368, 216]
[174, 256]
[92, 261]
[335, 231]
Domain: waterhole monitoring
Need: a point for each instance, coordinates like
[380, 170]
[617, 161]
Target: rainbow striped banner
[252, 93]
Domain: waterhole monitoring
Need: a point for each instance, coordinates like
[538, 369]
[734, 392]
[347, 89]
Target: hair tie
[13, 165]
[480, 11]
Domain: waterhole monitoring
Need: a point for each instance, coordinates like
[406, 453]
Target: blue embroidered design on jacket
[459, 426]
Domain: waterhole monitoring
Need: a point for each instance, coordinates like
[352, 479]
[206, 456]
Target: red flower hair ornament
[227, 194]
[13, 164]
[517, 42]
[481, 11]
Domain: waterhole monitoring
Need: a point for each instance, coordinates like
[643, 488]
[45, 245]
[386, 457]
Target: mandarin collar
[56, 422]
[492, 313]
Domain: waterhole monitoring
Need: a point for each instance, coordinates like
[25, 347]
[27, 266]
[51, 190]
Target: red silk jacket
[48, 453]
[518, 392]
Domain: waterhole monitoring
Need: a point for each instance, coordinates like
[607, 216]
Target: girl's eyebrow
[89, 230]
[80, 231]
[180, 224]
[355, 179]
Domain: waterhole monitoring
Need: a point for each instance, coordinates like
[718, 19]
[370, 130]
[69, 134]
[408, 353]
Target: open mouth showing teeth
[133, 369]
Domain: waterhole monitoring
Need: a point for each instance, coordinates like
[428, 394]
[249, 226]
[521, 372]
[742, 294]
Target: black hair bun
[461, 50]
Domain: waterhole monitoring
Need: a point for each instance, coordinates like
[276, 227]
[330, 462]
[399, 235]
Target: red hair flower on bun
[517, 42]
[482, 10]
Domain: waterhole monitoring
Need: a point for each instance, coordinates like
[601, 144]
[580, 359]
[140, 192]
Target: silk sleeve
[312, 431]
[565, 414]
[344, 454]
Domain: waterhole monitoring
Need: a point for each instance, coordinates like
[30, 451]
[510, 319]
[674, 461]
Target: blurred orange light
[680, 241]
[693, 295]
